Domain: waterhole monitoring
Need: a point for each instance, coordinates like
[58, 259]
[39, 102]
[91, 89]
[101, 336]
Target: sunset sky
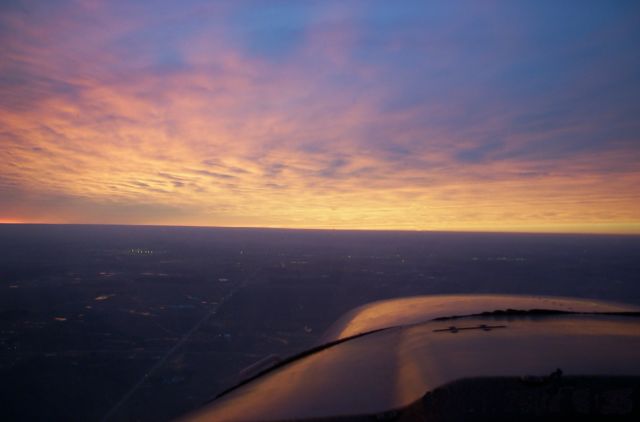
[416, 115]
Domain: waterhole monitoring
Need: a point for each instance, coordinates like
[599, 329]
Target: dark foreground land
[144, 323]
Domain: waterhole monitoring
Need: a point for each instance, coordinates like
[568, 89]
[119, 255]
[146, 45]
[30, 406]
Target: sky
[413, 115]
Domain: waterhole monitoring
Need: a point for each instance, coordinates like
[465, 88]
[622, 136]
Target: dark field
[144, 323]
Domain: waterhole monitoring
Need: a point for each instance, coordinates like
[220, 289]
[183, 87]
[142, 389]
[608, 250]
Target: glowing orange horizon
[12, 221]
[631, 229]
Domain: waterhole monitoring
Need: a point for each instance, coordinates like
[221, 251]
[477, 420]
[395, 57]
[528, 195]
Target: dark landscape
[145, 323]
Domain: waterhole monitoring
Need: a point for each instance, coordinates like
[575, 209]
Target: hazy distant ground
[143, 323]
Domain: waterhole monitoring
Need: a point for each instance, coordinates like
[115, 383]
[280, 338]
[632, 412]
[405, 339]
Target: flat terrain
[144, 323]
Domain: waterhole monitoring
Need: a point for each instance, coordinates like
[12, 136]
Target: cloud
[322, 115]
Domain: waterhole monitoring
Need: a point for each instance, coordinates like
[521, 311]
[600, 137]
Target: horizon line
[341, 229]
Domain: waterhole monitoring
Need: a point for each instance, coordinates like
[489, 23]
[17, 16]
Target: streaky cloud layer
[365, 115]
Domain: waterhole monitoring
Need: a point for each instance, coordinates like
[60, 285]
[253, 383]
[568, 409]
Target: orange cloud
[234, 140]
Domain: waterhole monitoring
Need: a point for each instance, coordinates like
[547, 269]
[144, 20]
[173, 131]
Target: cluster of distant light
[141, 251]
